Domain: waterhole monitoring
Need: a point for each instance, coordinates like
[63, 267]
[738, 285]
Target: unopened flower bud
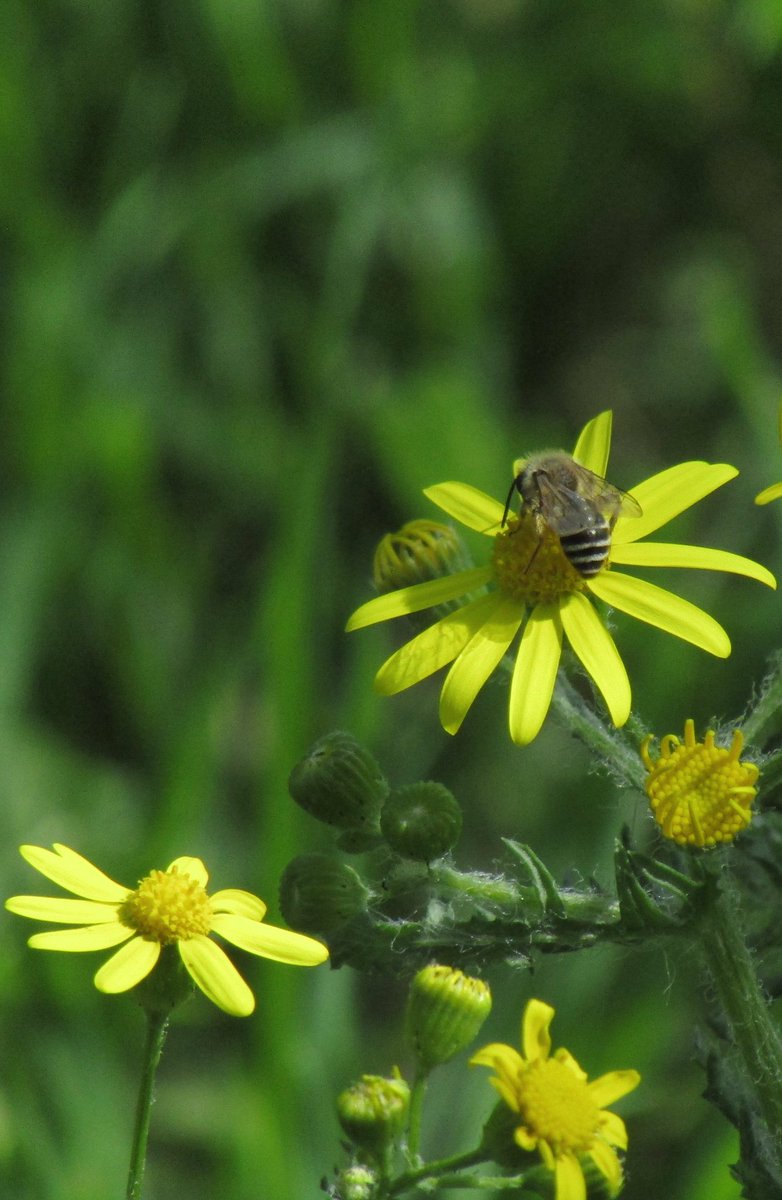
[340, 783]
[318, 893]
[372, 1112]
[357, 1182]
[420, 551]
[421, 821]
[445, 1011]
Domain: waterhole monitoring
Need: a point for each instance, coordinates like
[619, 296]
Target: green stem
[433, 1169]
[157, 1028]
[745, 1008]
[414, 1124]
[764, 717]
[583, 721]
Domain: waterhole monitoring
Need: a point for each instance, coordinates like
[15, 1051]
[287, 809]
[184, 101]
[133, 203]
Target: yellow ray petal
[656, 606]
[74, 873]
[594, 444]
[89, 937]
[418, 597]
[434, 647]
[66, 912]
[211, 969]
[612, 1128]
[667, 554]
[192, 867]
[501, 1058]
[128, 966]
[570, 1182]
[597, 650]
[535, 673]
[468, 505]
[607, 1163]
[269, 941]
[477, 661]
[670, 492]
[613, 1085]
[243, 904]
[535, 1036]
[768, 494]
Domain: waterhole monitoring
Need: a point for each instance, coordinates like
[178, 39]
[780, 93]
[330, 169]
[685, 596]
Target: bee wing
[563, 508]
[611, 501]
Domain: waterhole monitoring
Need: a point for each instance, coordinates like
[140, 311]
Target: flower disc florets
[700, 794]
[530, 564]
[555, 1103]
[167, 907]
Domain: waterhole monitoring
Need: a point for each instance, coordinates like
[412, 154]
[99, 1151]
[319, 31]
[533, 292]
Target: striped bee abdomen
[587, 549]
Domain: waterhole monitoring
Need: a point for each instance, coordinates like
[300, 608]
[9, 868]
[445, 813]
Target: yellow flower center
[557, 1106]
[167, 907]
[530, 564]
[700, 794]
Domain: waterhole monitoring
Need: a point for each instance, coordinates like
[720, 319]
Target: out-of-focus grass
[267, 271]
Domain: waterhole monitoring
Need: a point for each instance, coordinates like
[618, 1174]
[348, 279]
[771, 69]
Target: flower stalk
[157, 1028]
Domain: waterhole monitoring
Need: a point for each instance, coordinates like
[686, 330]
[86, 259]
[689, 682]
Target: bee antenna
[507, 502]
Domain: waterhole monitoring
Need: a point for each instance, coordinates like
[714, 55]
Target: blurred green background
[269, 267]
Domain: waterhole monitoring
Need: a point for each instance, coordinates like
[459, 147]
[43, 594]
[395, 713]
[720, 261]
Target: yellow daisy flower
[168, 907]
[775, 491]
[532, 584]
[700, 794]
[562, 1115]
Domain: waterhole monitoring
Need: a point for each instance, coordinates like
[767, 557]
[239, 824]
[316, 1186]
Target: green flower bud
[421, 821]
[318, 893]
[340, 783]
[598, 1186]
[445, 1011]
[420, 551]
[372, 1112]
[356, 1183]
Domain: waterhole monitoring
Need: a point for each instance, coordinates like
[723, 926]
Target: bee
[575, 504]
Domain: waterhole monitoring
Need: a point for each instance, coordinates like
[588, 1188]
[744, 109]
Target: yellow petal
[128, 966]
[594, 444]
[535, 673]
[192, 867]
[535, 1036]
[501, 1058]
[212, 971]
[612, 1128]
[667, 554]
[435, 647]
[597, 650]
[570, 1182]
[89, 937]
[477, 661]
[74, 873]
[467, 504]
[656, 606]
[607, 1163]
[268, 941]
[609, 1087]
[768, 494]
[56, 908]
[670, 492]
[418, 597]
[243, 904]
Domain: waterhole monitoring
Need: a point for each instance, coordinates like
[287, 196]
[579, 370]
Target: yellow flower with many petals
[168, 907]
[562, 1115]
[533, 585]
[775, 491]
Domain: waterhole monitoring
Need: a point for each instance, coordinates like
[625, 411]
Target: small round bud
[420, 551]
[421, 821]
[340, 783]
[319, 893]
[445, 1011]
[372, 1112]
[357, 1182]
